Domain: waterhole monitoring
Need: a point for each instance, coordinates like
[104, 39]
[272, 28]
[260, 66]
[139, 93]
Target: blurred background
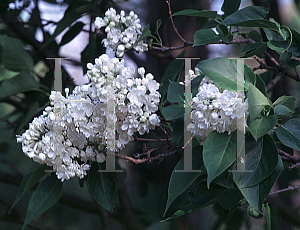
[32, 23]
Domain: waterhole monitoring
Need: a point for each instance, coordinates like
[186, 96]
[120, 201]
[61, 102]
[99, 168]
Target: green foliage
[178, 133]
[197, 13]
[256, 195]
[272, 126]
[250, 16]
[44, 197]
[103, 186]
[253, 49]
[229, 7]
[12, 86]
[173, 112]
[229, 198]
[14, 57]
[261, 159]
[289, 133]
[72, 33]
[74, 12]
[30, 180]
[257, 102]
[93, 50]
[262, 125]
[217, 158]
[223, 71]
[199, 198]
[205, 36]
[176, 93]
[172, 73]
[254, 213]
[7, 74]
[180, 181]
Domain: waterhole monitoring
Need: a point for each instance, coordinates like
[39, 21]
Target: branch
[289, 188]
[174, 27]
[159, 157]
[187, 44]
[262, 65]
[274, 81]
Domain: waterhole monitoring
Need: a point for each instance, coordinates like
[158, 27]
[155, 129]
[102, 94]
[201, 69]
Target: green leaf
[44, 197]
[224, 33]
[172, 73]
[173, 112]
[72, 33]
[281, 110]
[145, 33]
[230, 6]
[103, 186]
[279, 46]
[178, 133]
[289, 133]
[255, 35]
[175, 93]
[253, 49]
[205, 36]
[250, 16]
[73, 12]
[257, 101]
[268, 213]
[158, 24]
[212, 23]
[260, 84]
[261, 157]
[296, 36]
[93, 50]
[180, 181]
[229, 198]
[195, 84]
[7, 74]
[254, 213]
[288, 101]
[285, 57]
[197, 13]
[14, 57]
[33, 110]
[199, 198]
[29, 181]
[19, 84]
[218, 157]
[272, 35]
[223, 71]
[262, 126]
[256, 195]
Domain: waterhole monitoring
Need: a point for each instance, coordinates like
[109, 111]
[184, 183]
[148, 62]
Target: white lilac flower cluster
[214, 109]
[73, 132]
[122, 31]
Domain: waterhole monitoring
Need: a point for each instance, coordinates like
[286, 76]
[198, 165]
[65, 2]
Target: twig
[289, 158]
[296, 70]
[174, 27]
[144, 160]
[148, 139]
[187, 44]
[289, 188]
[274, 81]
[266, 53]
[262, 65]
